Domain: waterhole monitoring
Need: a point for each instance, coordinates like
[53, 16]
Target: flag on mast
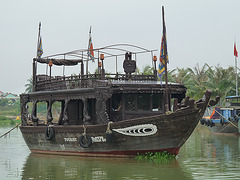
[235, 50]
[90, 47]
[40, 49]
[163, 58]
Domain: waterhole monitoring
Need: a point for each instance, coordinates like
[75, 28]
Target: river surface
[203, 156]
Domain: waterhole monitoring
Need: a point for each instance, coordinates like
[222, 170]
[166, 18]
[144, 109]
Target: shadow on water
[68, 167]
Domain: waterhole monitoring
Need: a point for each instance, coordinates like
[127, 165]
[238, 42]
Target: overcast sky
[200, 31]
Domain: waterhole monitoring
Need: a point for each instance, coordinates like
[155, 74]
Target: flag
[40, 49]
[163, 58]
[235, 50]
[90, 47]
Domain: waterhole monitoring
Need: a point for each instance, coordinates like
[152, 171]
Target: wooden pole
[167, 101]
[35, 63]
[39, 31]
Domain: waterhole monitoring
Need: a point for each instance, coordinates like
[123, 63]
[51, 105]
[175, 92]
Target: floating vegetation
[156, 157]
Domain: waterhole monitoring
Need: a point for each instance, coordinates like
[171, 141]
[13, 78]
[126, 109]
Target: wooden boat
[225, 119]
[105, 114]
[108, 114]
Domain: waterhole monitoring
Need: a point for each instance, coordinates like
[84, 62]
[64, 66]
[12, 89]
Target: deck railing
[46, 83]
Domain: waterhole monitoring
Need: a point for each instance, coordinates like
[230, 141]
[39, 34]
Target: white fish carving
[138, 130]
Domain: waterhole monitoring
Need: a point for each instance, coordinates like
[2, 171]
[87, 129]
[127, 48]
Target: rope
[228, 120]
[84, 130]
[224, 128]
[109, 128]
[9, 130]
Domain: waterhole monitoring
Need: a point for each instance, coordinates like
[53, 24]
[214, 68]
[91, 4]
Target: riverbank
[5, 120]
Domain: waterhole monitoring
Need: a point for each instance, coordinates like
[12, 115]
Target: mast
[35, 62]
[88, 53]
[165, 47]
[167, 100]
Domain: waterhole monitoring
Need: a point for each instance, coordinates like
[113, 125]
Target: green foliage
[197, 80]
[9, 107]
[6, 121]
[156, 157]
[29, 85]
[3, 118]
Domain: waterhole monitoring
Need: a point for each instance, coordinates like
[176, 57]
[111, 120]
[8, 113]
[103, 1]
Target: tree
[196, 83]
[182, 75]
[221, 81]
[29, 85]
[147, 70]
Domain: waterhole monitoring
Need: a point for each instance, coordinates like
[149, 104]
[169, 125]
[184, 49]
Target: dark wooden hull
[169, 132]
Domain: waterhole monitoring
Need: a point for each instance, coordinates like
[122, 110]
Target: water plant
[156, 157]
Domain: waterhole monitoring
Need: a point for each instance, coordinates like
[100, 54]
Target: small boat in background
[224, 119]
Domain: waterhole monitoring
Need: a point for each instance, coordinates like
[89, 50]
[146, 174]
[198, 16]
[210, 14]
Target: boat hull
[127, 138]
[225, 129]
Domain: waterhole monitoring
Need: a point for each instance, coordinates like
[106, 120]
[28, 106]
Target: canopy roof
[74, 57]
[58, 62]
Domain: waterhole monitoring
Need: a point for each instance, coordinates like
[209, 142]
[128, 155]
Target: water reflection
[209, 155]
[13, 154]
[66, 167]
[204, 156]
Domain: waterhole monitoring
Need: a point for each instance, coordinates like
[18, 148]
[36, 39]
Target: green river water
[204, 156]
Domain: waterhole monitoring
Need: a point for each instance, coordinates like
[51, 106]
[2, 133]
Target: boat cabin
[98, 98]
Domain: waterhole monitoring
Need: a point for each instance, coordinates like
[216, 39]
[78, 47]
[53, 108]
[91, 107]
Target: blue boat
[225, 119]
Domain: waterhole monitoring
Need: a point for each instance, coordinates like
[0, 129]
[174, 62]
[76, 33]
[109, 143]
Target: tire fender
[85, 141]
[49, 134]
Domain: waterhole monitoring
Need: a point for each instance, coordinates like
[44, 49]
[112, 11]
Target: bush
[3, 118]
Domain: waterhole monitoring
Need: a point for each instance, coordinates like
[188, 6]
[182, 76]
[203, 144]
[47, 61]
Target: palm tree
[147, 70]
[221, 81]
[182, 75]
[29, 85]
[196, 84]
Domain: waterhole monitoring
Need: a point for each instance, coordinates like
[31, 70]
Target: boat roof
[232, 97]
[58, 62]
[74, 57]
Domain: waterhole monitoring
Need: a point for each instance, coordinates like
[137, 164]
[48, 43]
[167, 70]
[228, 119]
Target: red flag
[235, 50]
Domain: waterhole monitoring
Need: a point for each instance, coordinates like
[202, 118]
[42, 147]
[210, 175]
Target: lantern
[154, 58]
[50, 63]
[102, 56]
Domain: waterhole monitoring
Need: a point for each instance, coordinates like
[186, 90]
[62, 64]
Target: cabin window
[116, 102]
[75, 112]
[56, 111]
[91, 108]
[29, 107]
[156, 102]
[41, 111]
[130, 102]
[143, 101]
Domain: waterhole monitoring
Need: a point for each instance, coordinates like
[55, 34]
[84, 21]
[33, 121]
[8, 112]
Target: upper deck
[124, 54]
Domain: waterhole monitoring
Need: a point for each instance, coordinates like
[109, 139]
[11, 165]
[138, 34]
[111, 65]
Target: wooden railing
[46, 83]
